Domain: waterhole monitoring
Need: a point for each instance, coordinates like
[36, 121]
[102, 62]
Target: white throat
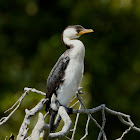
[76, 46]
[66, 40]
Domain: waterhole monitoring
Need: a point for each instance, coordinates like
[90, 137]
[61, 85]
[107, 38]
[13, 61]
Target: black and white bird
[67, 73]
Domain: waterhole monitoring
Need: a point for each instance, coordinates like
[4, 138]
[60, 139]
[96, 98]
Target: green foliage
[30, 44]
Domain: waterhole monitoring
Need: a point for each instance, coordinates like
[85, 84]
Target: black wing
[55, 78]
[57, 75]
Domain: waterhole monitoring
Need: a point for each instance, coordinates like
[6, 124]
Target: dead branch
[41, 129]
[67, 124]
[18, 103]
[23, 131]
[4, 119]
[40, 126]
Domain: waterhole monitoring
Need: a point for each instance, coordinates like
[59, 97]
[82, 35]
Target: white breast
[73, 75]
[71, 83]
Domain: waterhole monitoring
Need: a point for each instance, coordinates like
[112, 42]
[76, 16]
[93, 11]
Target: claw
[69, 110]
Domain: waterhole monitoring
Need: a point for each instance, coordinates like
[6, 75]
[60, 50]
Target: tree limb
[67, 124]
[41, 126]
[29, 113]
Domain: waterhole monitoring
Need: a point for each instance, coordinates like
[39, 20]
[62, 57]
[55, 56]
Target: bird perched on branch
[67, 73]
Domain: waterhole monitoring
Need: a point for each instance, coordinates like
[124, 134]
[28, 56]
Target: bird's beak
[84, 32]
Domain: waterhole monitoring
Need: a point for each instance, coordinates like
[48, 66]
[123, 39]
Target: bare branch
[103, 125]
[119, 114]
[4, 119]
[73, 99]
[41, 129]
[34, 90]
[40, 126]
[80, 100]
[67, 124]
[125, 132]
[74, 104]
[76, 122]
[29, 113]
[86, 129]
[26, 89]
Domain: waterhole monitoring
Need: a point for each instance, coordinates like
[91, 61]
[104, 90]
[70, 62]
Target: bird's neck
[67, 42]
[71, 43]
[76, 46]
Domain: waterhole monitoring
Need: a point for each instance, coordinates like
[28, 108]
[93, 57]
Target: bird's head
[75, 31]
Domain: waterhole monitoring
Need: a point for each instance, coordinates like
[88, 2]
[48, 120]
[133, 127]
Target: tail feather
[52, 118]
[47, 105]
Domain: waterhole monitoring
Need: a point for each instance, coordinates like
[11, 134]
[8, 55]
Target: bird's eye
[78, 30]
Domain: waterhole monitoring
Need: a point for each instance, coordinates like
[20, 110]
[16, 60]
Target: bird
[66, 75]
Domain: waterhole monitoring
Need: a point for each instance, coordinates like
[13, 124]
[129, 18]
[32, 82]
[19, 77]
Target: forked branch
[41, 129]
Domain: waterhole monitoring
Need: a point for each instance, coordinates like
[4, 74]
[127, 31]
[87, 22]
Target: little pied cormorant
[67, 73]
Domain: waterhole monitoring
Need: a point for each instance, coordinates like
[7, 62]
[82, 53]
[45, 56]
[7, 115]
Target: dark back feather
[56, 76]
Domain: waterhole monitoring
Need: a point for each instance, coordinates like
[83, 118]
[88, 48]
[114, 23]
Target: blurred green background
[30, 44]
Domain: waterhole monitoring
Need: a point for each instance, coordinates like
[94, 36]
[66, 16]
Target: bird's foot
[69, 110]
